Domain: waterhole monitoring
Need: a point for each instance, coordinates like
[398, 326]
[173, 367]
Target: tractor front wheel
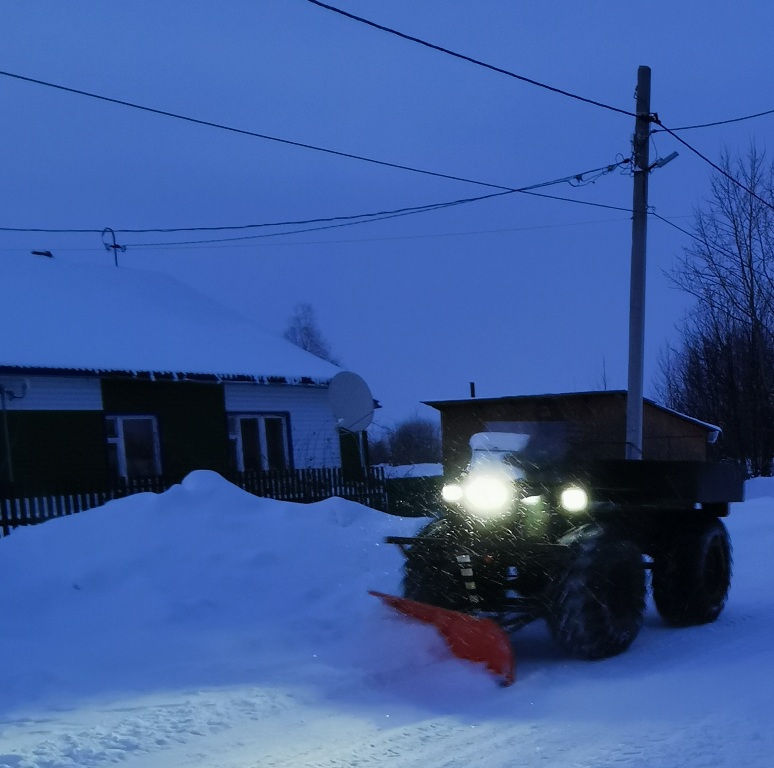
[596, 605]
[431, 573]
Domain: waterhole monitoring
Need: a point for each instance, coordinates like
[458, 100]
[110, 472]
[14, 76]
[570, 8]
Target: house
[592, 425]
[110, 374]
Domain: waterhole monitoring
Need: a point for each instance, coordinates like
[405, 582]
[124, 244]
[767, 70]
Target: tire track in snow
[260, 729]
[449, 743]
[123, 732]
[440, 743]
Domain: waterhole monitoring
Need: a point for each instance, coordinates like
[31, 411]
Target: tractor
[526, 534]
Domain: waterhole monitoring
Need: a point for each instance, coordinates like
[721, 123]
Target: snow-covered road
[205, 627]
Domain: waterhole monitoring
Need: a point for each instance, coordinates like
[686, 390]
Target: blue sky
[519, 294]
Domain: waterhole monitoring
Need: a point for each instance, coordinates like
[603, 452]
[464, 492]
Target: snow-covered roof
[504, 442]
[58, 315]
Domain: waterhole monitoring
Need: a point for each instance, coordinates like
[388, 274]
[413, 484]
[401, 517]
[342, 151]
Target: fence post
[4, 516]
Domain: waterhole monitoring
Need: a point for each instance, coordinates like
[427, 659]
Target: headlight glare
[452, 493]
[488, 495]
[574, 499]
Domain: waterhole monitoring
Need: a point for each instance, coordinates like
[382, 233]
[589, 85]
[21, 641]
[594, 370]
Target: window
[259, 441]
[133, 446]
[354, 452]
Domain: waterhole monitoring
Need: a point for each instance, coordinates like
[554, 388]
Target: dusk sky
[521, 294]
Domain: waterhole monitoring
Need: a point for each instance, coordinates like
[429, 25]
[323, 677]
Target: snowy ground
[205, 627]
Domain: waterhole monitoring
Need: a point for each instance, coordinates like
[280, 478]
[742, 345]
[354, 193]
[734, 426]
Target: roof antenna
[112, 246]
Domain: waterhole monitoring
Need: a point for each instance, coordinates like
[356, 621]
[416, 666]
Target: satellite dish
[351, 401]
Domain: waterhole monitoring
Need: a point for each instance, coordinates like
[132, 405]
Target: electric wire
[702, 241]
[675, 226]
[349, 224]
[576, 179]
[724, 122]
[427, 236]
[397, 213]
[308, 229]
[579, 202]
[714, 165]
[408, 212]
[470, 59]
[245, 132]
[296, 222]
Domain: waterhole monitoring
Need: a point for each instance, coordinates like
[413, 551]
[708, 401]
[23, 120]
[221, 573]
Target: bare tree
[413, 441]
[303, 331]
[723, 368]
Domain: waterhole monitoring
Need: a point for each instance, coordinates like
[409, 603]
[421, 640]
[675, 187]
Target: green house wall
[54, 451]
[191, 416]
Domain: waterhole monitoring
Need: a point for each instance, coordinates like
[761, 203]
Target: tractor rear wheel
[692, 574]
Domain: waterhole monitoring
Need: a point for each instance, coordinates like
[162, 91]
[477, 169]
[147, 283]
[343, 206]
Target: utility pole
[641, 168]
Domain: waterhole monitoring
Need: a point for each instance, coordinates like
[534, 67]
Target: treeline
[722, 368]
[413, 441]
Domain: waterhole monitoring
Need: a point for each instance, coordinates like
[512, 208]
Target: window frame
[121, 469]
[236, 445]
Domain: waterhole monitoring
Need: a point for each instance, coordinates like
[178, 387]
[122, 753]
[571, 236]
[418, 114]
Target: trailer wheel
[692, 574]
[595, 607]
[431, 573]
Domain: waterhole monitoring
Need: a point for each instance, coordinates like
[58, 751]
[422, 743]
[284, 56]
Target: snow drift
[207, 627]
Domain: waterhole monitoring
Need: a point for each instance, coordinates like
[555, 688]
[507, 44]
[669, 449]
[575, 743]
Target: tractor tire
[431, 573]
[692, 574]
[596, 606]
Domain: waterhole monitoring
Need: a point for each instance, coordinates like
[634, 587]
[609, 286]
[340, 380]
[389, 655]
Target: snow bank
[185, 588]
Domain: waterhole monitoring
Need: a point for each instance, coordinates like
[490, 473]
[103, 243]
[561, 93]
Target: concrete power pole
[641, 163]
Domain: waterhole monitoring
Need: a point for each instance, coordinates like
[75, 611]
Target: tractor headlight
[488, 495]
[574, 499]
[482, 494]
[452, 492]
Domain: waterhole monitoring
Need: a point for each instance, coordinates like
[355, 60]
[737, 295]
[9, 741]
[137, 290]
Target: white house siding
[52, 393]
[314, 435]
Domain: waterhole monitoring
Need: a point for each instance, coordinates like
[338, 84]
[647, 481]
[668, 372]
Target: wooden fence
[303, 486]
[310, 485]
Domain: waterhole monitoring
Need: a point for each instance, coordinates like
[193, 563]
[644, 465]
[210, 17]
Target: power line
[672, 224]
[390, 238]
[693, 236]
[244, 132]
[724, 122]
[578, 202]
[714, 165]
[577, 179]
[402, 212]
[428, 236]
[410, 211]
[53, 231]
[470, 59]
[296, 222]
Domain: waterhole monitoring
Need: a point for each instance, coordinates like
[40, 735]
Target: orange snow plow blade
[468, 637]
